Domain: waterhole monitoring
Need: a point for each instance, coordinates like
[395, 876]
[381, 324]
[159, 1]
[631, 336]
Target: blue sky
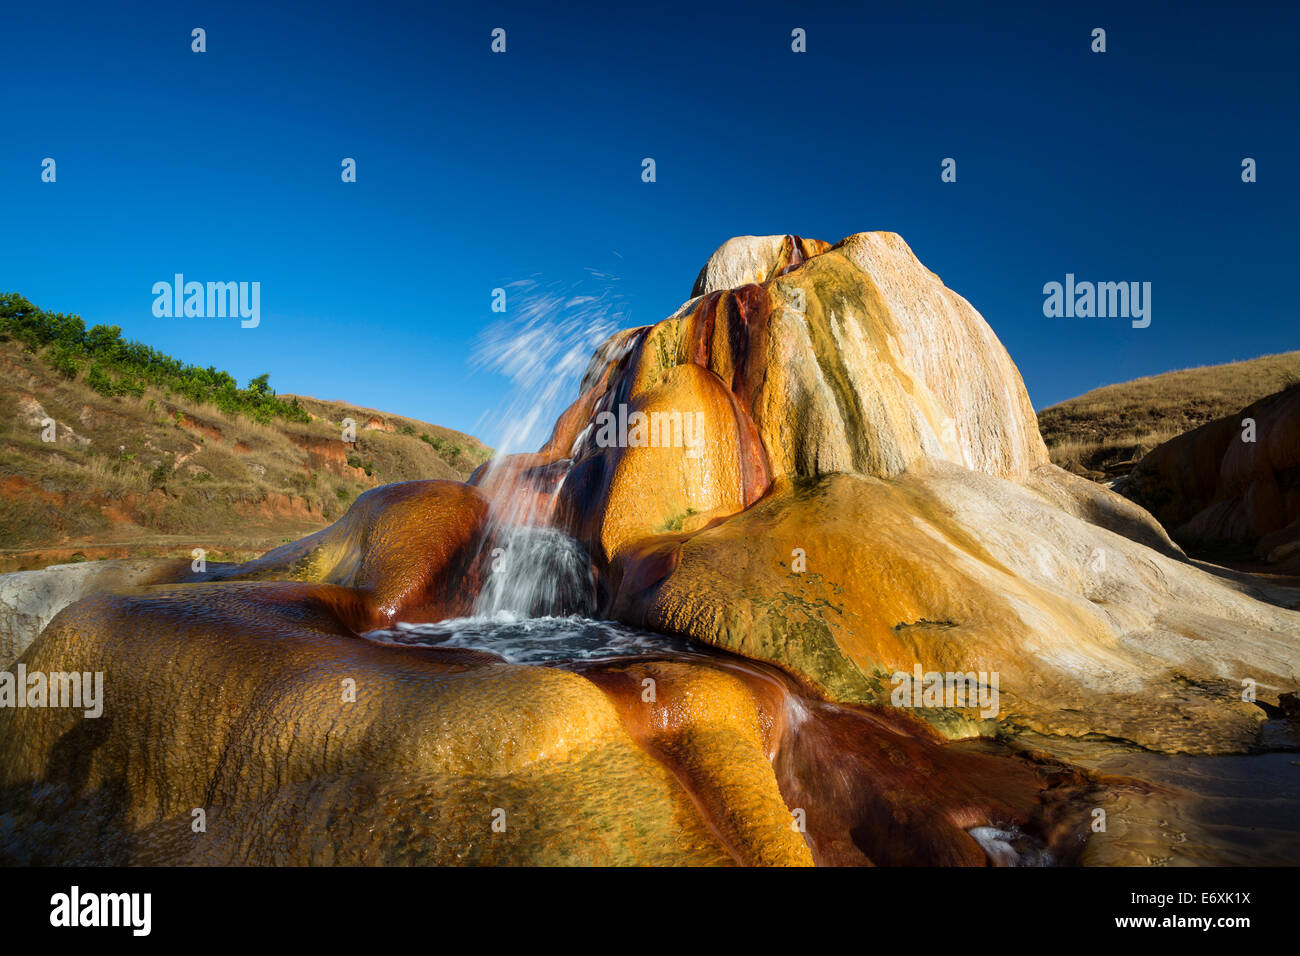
[477, 169]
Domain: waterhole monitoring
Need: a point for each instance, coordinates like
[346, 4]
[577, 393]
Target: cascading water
[544, 351]
[538, 572]
[540, 591]
[536, 569]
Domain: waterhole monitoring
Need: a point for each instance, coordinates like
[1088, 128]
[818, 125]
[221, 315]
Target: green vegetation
[143, 467]
[118, 367]
[443, 447]
[676, 522]
[454, 453]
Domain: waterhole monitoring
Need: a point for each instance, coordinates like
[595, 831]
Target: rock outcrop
[30, 599]
[1231, 488]
[409, 552]
[302, 743]
[896, 454]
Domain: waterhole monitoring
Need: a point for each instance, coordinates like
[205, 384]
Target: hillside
[137, 468]
[1226, 499]
[1106, 431]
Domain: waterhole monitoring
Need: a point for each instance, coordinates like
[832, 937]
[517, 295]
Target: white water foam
[1010, 847]
[537, 640]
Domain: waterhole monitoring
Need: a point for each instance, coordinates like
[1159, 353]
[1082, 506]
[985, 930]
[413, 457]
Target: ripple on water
[538, 640]
[1230, 810]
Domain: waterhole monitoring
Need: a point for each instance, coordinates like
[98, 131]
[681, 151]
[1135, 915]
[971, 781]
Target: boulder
[30, 599]
[1230, 488]
[409, 551]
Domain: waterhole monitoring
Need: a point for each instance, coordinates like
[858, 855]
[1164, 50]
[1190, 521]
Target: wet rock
[1089, 631]
[409, 551]
[305, 744]
[30, 599]
[687, 468]
[910, 476]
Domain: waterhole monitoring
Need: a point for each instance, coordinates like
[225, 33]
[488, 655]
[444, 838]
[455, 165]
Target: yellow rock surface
[706, 725]
[305, 744]
[649, 489]
[857, 359]
[958, 575]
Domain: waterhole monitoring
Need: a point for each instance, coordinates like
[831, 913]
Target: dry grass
[1107, 428]
[148, 469]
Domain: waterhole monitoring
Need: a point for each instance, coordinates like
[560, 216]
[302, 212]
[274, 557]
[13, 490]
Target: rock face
[825, 462]
[1232, 487]
[30, 599]
[409, 551]
[838, 362]
[844, 361]
[291, 768]
[1089, 631]
[896, 453]
[305, 744]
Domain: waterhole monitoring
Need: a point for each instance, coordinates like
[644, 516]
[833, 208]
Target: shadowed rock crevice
[1230, 489]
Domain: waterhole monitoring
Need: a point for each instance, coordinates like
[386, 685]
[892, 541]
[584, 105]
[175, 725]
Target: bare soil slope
[130, 476]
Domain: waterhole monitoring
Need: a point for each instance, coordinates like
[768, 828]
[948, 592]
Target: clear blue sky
[475, 170]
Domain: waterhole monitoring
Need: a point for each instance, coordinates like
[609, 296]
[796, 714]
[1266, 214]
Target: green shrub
[136, 365]
[98, 379]
[63, 360]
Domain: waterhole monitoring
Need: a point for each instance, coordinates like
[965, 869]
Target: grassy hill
[1106, 431]
[152, 457]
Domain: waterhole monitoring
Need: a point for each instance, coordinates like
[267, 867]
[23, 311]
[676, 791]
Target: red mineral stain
[877, 786]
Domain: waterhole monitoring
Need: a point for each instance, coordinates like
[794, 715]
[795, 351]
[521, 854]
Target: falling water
[543, 349]
[538, 572]
[1010, 846]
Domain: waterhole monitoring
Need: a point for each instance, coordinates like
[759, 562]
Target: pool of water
[539, 640]
[1230, 810]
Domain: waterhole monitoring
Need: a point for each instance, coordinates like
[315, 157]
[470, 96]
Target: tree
[105, 341]
[261, 386]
